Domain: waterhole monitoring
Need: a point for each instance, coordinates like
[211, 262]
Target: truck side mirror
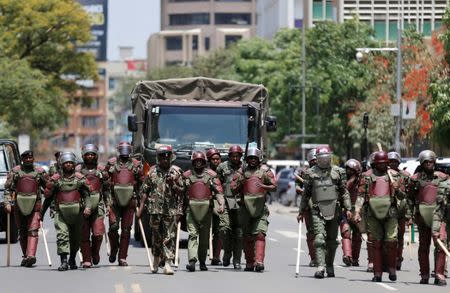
[132, 123]
[271, 123]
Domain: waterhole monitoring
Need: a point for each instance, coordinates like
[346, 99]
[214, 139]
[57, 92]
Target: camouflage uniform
[126, 179]
[97, 179]
[23, 190]
[422, 195]
[70, 193]
[254, 212]
[230, 226]
[163, 203]
[324, 188]
[441, 217]
[200, 188]
[382, 197]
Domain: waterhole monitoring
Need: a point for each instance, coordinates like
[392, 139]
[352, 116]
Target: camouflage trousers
[198, 241]
[325, 238]
[68, 236]
[163, 235]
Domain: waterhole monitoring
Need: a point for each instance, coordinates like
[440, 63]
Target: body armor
[325, 196]
[68, 202]
[199, 194]
[254, 196]
[426, 199]
[123, 181]
[380, 196]
[95, 186]
[27, 189]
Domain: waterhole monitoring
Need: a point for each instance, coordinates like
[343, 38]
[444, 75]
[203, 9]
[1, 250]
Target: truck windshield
[189, 126]
[3, 168]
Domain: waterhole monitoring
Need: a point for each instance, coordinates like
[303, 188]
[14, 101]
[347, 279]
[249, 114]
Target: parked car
[9, 158]
[286, 193]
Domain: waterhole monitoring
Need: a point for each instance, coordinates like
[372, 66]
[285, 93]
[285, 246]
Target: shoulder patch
[187, 174]
[56, 177]
[440, 175]
[211, 172]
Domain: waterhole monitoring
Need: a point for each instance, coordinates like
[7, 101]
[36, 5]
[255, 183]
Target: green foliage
[440, 110]
[37, 46]
[445, 36]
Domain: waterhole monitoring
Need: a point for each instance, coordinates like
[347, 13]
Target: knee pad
[260, 236]
[114, 227]
[345, 232]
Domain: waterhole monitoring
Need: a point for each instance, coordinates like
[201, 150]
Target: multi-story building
[193, 27]
[424, 16]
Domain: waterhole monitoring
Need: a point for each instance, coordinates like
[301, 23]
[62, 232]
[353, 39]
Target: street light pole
[303, 89]
[399, 89]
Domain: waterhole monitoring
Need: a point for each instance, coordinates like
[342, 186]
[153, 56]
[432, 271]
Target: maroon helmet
[164, 149]
[354, 165]
[323, 150]
[380, 157]
[211, 152]
[124, 148]
[235, 149]
[198, 155]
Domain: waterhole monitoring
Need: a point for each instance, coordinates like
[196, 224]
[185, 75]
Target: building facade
[190, 28]
[424, 16]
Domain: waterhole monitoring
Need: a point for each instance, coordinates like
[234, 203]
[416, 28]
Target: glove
[300, 218]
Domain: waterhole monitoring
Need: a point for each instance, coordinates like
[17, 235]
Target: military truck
[196, 114]
[9, 158]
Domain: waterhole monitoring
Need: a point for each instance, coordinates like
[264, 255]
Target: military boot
[32, 243]
[260, 252]
[249, 253]
[24, 261]
[72, 261]
[356, 248]
[203, 266]
[439, 268]
[114, 243]
[347, 250]
[320, 273]
[329, 257]
[391, 250]
[64, 265]
[30, 261]
[191, 266]
[95, 250]
[168, 268]
[156, 260]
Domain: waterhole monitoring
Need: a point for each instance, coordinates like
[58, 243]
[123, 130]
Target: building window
[90, 122]
[317, 9]
[392, 30]
[174, 63]
[189, 19]
[230, 39]
[194, 42]
[233, 0]
[174, 43]
[112, 83]
[380, 29]
[91, 103]
[427, 28]
[233, 18]
[206, 43]
[181, 1]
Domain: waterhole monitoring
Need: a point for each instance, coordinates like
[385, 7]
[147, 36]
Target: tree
[38, 41]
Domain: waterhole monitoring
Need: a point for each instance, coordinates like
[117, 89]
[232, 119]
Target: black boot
[72, 262]
[376, 279]
[440, 282]
[191, 266]
[319, 275]
[203, 266]
[64, 266]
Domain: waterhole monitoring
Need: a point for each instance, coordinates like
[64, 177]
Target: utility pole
[399, 88]
[303, 88]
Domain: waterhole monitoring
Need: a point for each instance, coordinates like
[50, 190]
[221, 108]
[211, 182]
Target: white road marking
[113, 268]
[45, 231]
[289, 234]
[136, 288]
[119, 288]
[272, 239]
[385, 286]
[301, 250]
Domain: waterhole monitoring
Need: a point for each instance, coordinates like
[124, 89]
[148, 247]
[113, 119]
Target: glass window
[194, 42]
[186, 126]
[329, 10]
[175, 1]
[110, 124]
[189, 19]
[230, 39]
[3, 166]
[206, 43]
[392, 30]
[427, 28]
[90, 122]
[112, 83]
[233, 18]
[174, 43]
[91, 103]
[437, 25]
[380, 29]
[317, 9]
[233, 0]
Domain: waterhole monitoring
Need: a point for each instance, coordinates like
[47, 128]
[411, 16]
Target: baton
[8, 237]
[299, 245]
[44, 237]
[177, 245]
[410, 242]
[441, 244]
[210, 243]
[108, 249]
[150, 262]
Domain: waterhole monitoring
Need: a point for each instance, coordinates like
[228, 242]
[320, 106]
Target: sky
[130, 23]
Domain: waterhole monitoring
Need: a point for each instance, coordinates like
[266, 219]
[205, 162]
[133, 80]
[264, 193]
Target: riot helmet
[198, 159]
[323, 155]
[124, 149]
[427, 155]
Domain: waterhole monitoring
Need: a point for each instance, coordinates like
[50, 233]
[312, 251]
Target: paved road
[278, 277]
